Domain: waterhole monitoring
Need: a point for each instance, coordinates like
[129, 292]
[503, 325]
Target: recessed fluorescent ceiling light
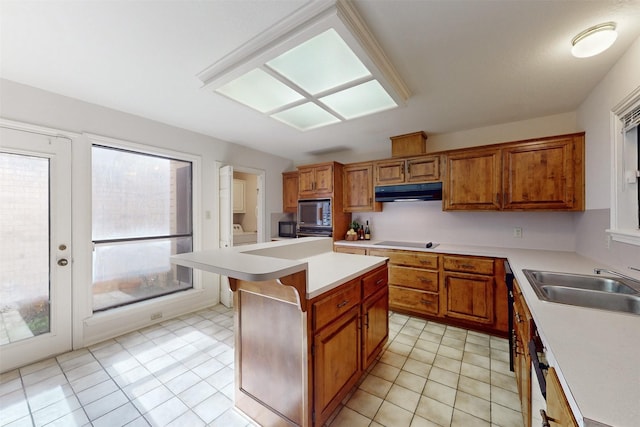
[306, 116]
[361, 100]
[259, 90]
[327, 70]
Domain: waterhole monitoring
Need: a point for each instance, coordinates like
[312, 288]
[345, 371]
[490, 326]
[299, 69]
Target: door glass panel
[24, 247]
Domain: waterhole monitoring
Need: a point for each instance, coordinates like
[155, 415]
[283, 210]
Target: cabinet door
[323, 179]
[542, 175]
[306, 182]
[336, 362]
[473, 180]
[238, 196]
[290, 192]
[423, 169]
[389, 172]
[358, 188]
[558, 409]
[522, 368]
[350, 250]
[469, 297]
[375, 326]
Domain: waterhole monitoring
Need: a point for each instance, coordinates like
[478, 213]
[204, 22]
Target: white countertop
[596, 352]
[272, 260]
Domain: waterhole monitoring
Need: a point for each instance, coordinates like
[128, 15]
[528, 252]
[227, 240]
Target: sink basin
[594, 283]
[605, 293]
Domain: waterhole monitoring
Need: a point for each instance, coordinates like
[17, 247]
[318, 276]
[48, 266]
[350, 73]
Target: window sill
[629, 236]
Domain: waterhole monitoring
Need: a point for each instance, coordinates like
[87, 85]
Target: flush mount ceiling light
[318, 66]
[594, 40]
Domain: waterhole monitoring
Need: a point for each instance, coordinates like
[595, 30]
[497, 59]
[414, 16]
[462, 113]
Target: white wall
[34, 106]
[594, 116]
[425, 221]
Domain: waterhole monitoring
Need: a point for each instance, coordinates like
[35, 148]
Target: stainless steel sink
[606, 293]
[594, 283]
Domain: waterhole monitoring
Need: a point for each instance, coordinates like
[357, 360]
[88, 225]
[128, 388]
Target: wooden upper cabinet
[315, 180]
[423, 169]
[400, 171]
[540, 174]
[290, 192]
[389, 172]
[547, 175]
[473, 180]
[358, 188]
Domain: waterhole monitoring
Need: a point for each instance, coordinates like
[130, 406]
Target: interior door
[226, 225]
[35, 252]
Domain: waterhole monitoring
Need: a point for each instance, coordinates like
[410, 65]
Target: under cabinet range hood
[409, 192]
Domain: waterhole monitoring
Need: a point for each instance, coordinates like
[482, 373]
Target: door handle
[62, 262]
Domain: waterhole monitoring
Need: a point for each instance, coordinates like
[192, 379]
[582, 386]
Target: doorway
[35, 253]
[242, 207]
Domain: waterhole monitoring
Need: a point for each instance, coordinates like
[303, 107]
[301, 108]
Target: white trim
[28, 127]
[619, 232]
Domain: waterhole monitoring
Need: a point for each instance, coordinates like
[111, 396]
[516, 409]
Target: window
[625, 209]
[142, 214]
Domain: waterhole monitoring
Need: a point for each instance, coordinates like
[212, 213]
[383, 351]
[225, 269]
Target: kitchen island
[307, 322]
[594, 352]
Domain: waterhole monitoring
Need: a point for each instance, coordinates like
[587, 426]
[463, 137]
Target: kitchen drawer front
[350, 250]
[413, 300]
[414, 278]
[408, 258]
[333, 306]
[468, 264]
[374, 281]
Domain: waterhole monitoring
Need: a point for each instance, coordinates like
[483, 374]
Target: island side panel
[271, 357]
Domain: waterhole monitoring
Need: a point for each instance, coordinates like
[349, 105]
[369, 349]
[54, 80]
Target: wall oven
[314, 218]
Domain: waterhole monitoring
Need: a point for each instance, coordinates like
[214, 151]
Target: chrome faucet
[615, 273]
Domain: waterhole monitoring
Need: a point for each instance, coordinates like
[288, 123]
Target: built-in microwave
[314, 217]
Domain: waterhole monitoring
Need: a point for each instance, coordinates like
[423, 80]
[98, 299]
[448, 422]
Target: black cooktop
[423, 245]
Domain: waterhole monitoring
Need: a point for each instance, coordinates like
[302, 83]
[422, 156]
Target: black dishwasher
[509, 281]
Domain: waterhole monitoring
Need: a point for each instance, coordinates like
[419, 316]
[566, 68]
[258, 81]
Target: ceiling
[467, 63]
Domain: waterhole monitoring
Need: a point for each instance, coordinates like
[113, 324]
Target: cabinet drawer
[350, 250]
[469, 265]
[408, 258]
[374, 281]
[413, 300]
[414, 278]
[333, 306]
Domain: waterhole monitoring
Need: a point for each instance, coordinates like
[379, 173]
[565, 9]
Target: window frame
[619, 231]
[196, 167]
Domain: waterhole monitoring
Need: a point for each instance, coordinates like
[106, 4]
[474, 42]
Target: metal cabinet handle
[426, 302]
[379, 282]
[62, 262]
[425, 280]
[545, 418]
[343, 303]
[467, 266]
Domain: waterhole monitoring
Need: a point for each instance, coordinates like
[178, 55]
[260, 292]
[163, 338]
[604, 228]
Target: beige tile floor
[180, 373]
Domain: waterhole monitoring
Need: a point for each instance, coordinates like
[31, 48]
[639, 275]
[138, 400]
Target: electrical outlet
[207, 214]
[156, 316]
[517, 232]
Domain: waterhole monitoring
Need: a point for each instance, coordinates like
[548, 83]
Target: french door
[35, 252]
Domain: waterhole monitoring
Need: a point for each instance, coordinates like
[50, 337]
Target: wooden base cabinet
[295, 362]
[336, 360]
[558, 412]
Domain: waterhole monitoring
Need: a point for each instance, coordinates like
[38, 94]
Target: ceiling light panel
[306, 116]
[313, 63]
[320, 64]
[260, 91]
[361, 100]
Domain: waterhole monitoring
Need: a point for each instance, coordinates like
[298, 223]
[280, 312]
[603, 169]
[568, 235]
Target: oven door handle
[538, 367]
